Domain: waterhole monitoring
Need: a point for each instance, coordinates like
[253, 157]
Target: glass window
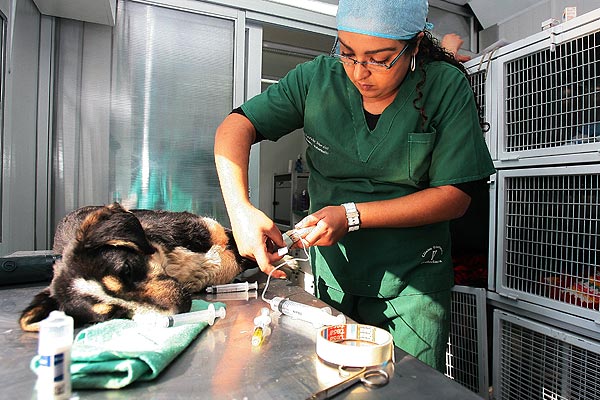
[172, 88]
[137, 107]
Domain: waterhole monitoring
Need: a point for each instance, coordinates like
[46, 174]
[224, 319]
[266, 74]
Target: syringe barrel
[207, 315]
[317, 316]
[195, 317]
[232, 287]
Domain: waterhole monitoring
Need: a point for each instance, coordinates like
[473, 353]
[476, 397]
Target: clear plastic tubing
[232, 287]
[54, 349]
[316, 316]
[194, 317]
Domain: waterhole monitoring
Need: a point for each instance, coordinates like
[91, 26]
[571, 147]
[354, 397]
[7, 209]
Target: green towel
[113, 354]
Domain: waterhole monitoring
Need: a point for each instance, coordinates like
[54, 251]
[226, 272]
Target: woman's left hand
[329, 225]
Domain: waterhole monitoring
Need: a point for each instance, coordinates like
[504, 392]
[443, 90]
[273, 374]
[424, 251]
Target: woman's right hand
[327, 226]
[252, 231]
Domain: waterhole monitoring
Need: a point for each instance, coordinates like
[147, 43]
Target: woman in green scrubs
[394, 148]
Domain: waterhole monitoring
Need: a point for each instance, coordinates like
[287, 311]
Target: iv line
[287, 262]
[317, 316]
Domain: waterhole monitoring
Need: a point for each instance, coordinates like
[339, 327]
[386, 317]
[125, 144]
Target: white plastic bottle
[54, 348]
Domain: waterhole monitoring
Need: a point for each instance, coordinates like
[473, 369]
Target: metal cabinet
[290, 199]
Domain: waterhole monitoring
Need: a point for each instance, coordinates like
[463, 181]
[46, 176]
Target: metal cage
[550, 105]
[548, 228]
[466, 350]
[536, 361]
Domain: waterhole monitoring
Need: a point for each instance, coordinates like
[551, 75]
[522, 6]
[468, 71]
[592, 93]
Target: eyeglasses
[372, 66]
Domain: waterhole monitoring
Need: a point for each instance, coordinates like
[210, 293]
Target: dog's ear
[113, 226]
[39, 308]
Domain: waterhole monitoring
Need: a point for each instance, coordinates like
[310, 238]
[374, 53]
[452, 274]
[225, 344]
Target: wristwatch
[352, 216]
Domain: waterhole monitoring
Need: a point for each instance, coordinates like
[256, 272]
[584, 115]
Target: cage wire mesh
[551, 237]
[553, 96]
[467, 342]
[544, 363]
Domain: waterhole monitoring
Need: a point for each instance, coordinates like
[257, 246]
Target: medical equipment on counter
[356, 346]
[27, 266]
[316, 316]
[232, 287]
[194, 317]
[54, 349]
[222, 297]
[262, 327]
[370, 377]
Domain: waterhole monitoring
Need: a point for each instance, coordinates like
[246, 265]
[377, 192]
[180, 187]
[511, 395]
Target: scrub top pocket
[419, 154]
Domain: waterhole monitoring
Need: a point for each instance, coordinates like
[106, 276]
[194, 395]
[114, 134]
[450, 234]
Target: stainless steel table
[222, 364]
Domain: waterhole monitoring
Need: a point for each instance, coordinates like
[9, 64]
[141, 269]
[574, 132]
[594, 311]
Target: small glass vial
[54, 350]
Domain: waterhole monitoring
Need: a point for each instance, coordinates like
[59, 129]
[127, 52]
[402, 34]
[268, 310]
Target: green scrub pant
[419, 323]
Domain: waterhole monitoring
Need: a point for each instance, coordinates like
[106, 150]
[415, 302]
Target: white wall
[528, 21]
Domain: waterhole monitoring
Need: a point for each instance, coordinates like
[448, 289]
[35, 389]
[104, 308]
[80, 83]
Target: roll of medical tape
[354, 345]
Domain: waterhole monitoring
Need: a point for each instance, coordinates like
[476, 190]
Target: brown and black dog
[117, 263]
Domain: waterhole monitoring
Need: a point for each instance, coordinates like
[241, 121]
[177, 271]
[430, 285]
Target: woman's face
[374, 85]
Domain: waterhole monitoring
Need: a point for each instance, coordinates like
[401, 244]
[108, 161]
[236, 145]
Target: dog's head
[108, 270]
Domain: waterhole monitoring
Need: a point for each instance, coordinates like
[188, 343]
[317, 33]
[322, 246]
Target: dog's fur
[117, 263]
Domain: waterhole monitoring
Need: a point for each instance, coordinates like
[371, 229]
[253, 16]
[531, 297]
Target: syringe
[232, 287]
[223, 297]
[316, 316]
[261, 327]
[194, 317]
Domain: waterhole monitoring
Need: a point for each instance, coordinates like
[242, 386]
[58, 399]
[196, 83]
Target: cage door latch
[512, 157]
[509, 296]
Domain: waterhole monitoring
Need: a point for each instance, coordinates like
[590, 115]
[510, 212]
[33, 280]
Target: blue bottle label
[56, 363]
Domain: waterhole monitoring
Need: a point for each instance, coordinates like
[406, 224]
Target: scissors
[370, 377]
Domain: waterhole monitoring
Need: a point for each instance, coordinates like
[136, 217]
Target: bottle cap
[55, 331]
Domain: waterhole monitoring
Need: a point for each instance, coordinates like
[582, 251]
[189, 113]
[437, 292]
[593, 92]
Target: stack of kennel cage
[466, 349]
[546, 290]
[467, 346]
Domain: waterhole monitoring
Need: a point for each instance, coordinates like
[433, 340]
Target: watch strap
[352, 216]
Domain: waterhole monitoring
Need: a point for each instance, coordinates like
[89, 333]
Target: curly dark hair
[431, 50]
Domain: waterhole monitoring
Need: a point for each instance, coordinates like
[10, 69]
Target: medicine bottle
[54, 350]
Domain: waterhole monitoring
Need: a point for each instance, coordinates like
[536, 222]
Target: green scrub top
[350, 163]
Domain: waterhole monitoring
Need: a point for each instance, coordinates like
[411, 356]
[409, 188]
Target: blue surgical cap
[391, 19]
